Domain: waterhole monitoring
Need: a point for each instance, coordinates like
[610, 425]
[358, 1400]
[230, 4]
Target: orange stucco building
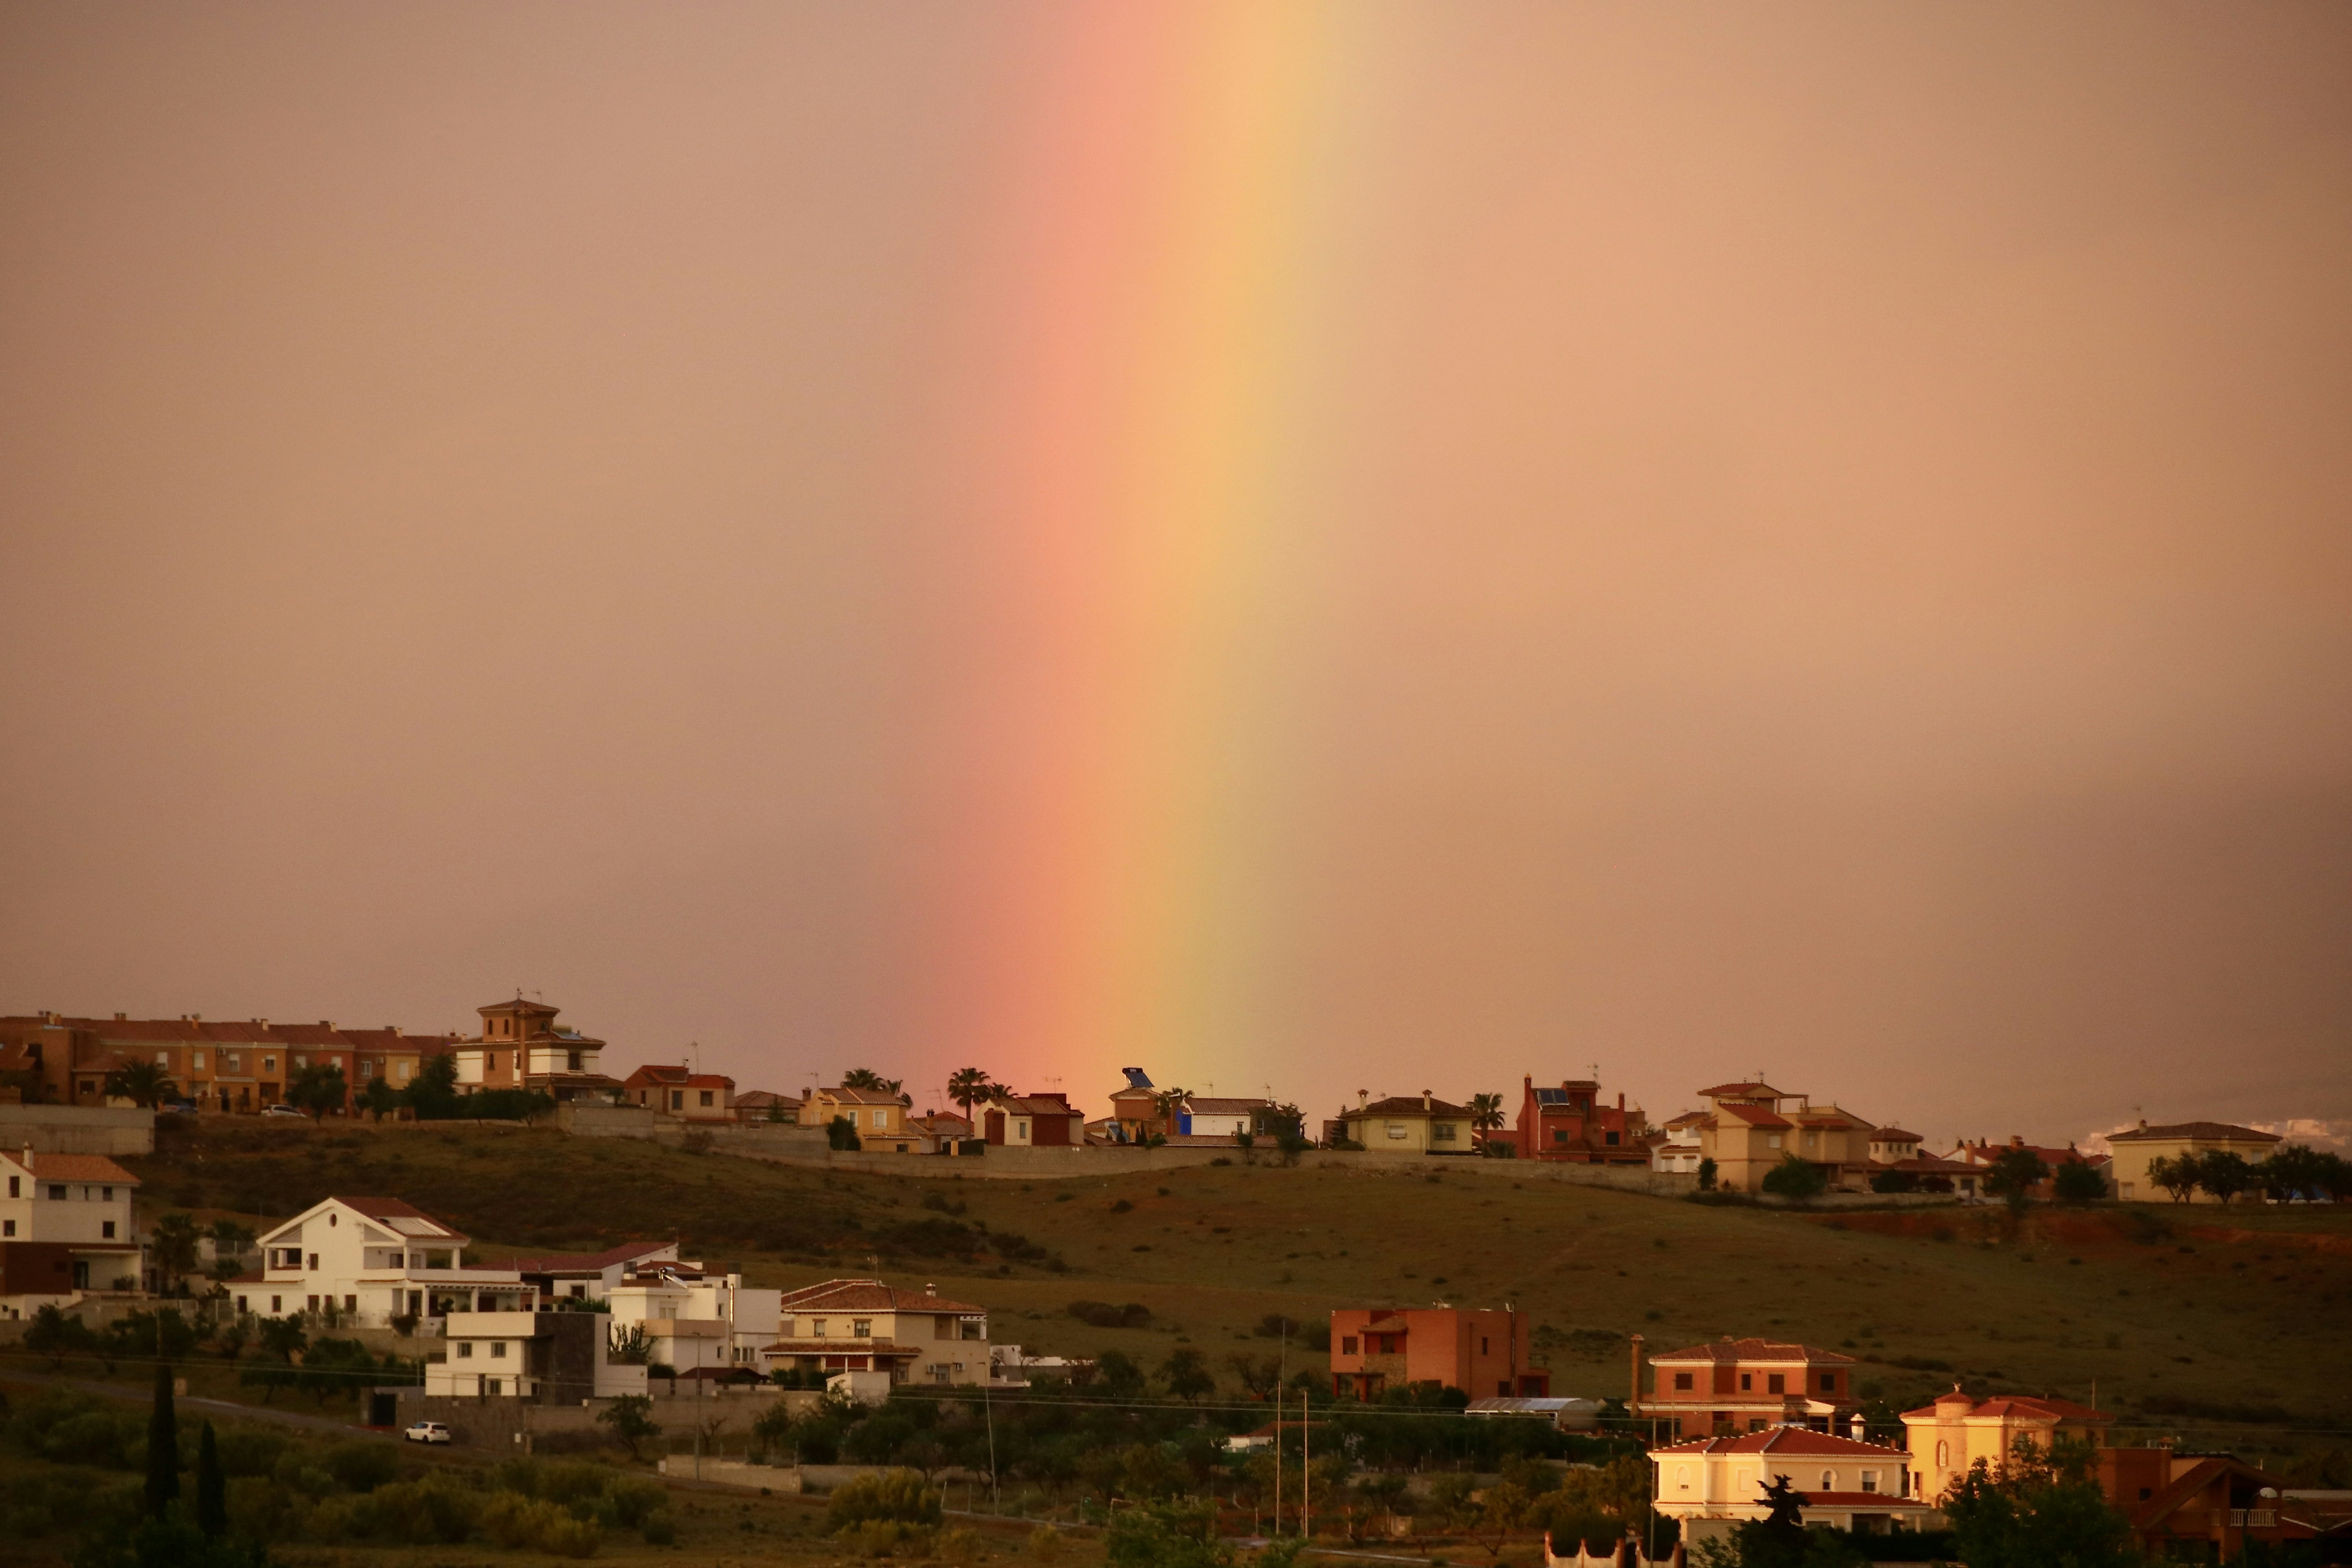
[1482, 1351]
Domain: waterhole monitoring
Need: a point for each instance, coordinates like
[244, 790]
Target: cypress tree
[163, 1445]
[212, 1487]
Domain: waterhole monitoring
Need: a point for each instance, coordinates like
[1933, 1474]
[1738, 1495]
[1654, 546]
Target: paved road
[342, 1426]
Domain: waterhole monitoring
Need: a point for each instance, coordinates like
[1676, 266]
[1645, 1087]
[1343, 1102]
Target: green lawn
[2187, 1316]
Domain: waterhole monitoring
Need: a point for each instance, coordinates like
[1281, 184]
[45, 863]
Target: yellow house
[865, 1325]
[1404, 1125]
[1947, 1436]
[1752, 1127]
[2138, 1148]
[879, 1117]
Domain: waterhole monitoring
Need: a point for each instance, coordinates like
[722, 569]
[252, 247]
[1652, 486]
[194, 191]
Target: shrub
[439, 1509]
[887, 1538]
[961, 1544]
[897, 1496]
[1795, 1179]
[516, 1521]
[1103, 1315]
[363, 1467]
[1045, 1544]
[660, 1528]
[2076, 1183]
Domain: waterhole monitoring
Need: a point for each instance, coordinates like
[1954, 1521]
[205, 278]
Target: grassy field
[2195, 1322]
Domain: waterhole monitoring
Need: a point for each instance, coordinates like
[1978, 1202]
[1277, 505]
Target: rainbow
[1145, 356]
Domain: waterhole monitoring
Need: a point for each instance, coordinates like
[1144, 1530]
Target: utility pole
[1306, 1469]
[1277, 1458]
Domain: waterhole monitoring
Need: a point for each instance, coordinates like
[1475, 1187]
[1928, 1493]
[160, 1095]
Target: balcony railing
[2244, 1518]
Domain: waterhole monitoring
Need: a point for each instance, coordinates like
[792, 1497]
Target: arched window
[1829, 1480]
[1943, 1455]
[1682, 1478]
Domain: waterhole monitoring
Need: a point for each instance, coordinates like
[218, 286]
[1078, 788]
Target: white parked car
[281, 1110]
[427, 1432]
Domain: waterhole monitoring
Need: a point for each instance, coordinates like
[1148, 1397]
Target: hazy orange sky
[1814, 539]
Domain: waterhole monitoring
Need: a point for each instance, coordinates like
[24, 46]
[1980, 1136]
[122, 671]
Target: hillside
[2189, 1318]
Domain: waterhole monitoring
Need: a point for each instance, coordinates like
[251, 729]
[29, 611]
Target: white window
[817, 1328]
[1870, 1481]
[861, 1328]
[1682, 1478]
[197, 1061]
[1442, 1132]
[1829, 1480]
[881, 1119]
[1021, 1129]
[163, 1059]
[1773, 1142]
[1396, 1128]
[269, 1064]
[498, 1350]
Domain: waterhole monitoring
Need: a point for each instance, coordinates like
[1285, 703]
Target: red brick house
[1482, 1351]
[1569, 1124]
[1750, 1386]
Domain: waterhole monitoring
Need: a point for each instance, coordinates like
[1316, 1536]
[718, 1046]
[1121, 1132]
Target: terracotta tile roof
[1392, 1324]
[1754, 1116]
[2014, 1407]
[69, 1167]
[1723, 1351]
[1036, 1105]
[1790, 1442]
[2210, 1131]
[1739, 1091]
[1406, 1105]
[391, 1210]
[585, 1262]
[1203, 1107]
[859, 1096]
[1897, 1135]
[660, 1072]
[1863, 1499]
[868, 1296]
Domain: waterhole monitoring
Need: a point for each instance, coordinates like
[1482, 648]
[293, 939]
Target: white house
[372, 1260]
[698, 1326]
[1202, 1116]
[864, 1325]
[557, 1357]
[592, 1276]
[1674, 1146]
[65, 1230]
[1710, 1484]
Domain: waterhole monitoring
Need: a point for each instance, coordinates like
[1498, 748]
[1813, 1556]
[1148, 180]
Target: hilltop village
[394, 1306]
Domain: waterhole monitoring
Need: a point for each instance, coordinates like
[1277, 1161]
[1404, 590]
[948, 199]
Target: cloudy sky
[1390, 547]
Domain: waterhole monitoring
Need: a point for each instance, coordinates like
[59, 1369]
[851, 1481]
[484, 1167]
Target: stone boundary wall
[76, 1130]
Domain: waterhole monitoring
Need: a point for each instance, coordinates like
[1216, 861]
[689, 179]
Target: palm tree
[867, 1078]
[142, 1083]
[1485, 1112]
[969, 1086]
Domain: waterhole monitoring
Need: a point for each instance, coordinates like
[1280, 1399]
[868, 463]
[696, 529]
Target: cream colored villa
[864, 1325]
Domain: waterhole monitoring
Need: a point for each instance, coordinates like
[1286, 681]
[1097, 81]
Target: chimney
[1363, 1098]
[122, 1018]
[1633, 1405]
[1621, 1099]
[1858, 1428]
[1425, 1097]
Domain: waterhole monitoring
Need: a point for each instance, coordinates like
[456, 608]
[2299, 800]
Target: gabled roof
[1202, 1106]
[394, 1214]
[2201, 1132]
[1406, 1105]
[1741, 1091]
[586, 1262]
[1791, 1442]
[661, 1073]
[2013, 1407]
[1723, 1351]
[45, 1167]
[1896, 1135]
[2184, 1488]
[868, 1296]
[857, 1096]
[1752, 1115]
